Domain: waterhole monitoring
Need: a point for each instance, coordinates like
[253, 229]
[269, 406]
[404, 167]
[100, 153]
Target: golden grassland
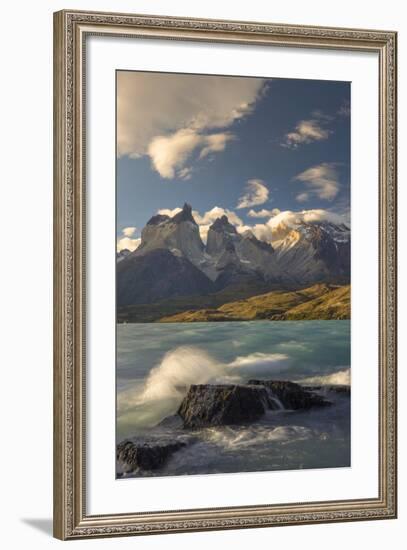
[320, 301]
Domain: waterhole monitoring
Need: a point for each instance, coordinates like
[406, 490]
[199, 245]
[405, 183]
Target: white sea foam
[262, 363]
[237, 438]
[168, 382]
[341, 377]
[184, 366]
[166, 385]
[179, 369]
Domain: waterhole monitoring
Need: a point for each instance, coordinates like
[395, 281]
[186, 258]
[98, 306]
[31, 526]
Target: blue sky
[250, 147]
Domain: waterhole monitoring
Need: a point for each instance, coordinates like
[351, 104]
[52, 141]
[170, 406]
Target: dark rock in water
[292, 395]
[222, 404]
[218, 405]
[174, 421]
[133, 454]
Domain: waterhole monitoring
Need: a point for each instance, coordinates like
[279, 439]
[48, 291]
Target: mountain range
[172, 263]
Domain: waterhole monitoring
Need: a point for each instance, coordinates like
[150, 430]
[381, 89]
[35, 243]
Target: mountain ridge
[317, 302]
[173, 261]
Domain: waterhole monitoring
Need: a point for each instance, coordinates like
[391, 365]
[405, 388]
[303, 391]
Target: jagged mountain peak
[172, 234]
[222, 237]
[185, 215]
[223, 224]
[171, 248]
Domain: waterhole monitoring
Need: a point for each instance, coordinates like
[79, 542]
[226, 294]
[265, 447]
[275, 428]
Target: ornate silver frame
[70, 518]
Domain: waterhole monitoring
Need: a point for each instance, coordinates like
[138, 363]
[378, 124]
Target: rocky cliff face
[314, 252]
[179, 235]
[173, 261]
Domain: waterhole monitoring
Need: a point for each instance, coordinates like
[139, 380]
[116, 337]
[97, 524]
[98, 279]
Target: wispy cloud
[321, 181]
[307, 131]
[344, 109]
[302, 197]
[169, 154]
[256, 193]
[314, 128]
[263, 213]
[169, 117]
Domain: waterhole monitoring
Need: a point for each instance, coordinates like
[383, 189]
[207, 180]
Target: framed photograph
[225, 274]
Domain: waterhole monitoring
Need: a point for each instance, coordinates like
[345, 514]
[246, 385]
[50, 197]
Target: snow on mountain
[314, 251]
[303, 250]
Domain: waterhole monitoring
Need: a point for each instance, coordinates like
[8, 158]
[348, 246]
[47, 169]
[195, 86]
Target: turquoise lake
[156, 363]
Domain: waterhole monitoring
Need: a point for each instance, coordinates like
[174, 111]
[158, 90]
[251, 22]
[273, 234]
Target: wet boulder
[291, 395]
[140, 454]
[222, 404]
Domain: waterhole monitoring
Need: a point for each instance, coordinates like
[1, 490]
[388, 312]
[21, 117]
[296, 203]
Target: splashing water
[339, 378]
[168, 382]
[156, 364]
[179, 369]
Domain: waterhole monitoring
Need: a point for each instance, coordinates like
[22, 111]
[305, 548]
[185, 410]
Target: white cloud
[263, 232]
[306, 131]
[216, 212]
[215, 143]
[321, 181]
[169, 154]
[277, 226]
[302, 197]
[129, 231]
[169, 212]
[309, 130]
[166, 116]
[127, 243]
[290, 218]
[263, 213]
[256, 194]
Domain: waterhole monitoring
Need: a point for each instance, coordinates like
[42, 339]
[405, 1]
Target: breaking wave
[341, 378]
[168, 382]
[184, 366]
